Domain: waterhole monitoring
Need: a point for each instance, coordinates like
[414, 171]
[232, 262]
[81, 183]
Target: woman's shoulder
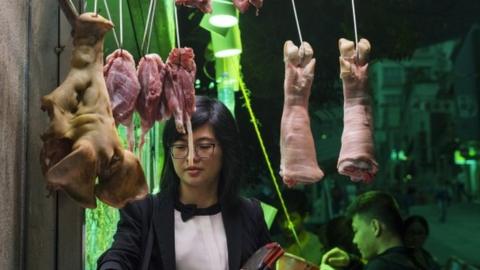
[145, 204]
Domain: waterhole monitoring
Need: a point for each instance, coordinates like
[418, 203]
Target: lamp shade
[224, 14]
[228, 45]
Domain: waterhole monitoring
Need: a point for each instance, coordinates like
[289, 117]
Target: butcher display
[297, 148]
[204, 6]
[179, 91]
[81, 142]
[356, 158]
[243, 5]
[123, 88]
[151, 74]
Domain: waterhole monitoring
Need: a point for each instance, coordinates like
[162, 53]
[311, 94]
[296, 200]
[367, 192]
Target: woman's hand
[335, 258]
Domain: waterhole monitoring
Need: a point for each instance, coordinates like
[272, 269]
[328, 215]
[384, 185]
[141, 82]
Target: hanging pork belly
[356, 158]
[151, 74]
[204, 6]
[123, 88]
[297, 149]
[179, 91]
[81, 142]
[243, 5]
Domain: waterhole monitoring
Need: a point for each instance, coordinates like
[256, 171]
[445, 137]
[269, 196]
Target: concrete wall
[13, 89]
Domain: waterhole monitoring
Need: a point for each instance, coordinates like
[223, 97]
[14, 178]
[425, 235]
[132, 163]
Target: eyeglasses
[202, 150]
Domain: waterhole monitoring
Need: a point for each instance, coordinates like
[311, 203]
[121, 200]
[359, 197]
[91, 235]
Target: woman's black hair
[213, 112]
[416, 218]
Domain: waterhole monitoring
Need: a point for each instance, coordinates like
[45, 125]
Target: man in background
[377, 228]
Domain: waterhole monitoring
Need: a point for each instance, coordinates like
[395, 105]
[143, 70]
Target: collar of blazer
[163, 224]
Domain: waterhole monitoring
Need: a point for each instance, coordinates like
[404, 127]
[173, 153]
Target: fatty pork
[356, 158]
[81, 142]
[297, 148]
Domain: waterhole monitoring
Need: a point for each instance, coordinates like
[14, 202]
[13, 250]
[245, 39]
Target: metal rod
[176, 25]
[296, 20]
[152, 20]
[355, 27]
[121, 23]
[147, 24]
[110, 18]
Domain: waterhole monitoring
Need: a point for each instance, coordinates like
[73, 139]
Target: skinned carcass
[151, 74]
[297, 148]
[81, 142]
[356, 158]
[123, 88]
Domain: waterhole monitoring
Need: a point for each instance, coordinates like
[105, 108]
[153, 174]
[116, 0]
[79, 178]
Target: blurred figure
[377, 233]
[442, 198]
[310, 246]
[337, 233]
[338, 198]
[415, 234]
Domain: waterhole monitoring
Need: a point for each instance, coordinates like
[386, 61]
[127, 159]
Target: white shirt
[200, 243]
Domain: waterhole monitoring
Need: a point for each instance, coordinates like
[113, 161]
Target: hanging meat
[297, 148]
[243, 5]
[151, 74]
[356, 158]
[179, 91]
[123, 88]
[81, 142]
[204, 6]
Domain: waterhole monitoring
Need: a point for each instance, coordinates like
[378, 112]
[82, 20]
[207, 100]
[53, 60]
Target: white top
[200, 243]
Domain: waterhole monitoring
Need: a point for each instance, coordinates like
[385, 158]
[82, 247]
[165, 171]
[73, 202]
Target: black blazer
[145, 234]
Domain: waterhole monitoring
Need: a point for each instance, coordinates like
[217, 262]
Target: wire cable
[355, 26]
[296, 20]
[110, 18]
[176, 25]
[147, 24]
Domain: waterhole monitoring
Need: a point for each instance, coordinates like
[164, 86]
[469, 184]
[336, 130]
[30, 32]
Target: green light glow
[459, 159]
[223, 20]
[227, 53]
[224, 14]
[402, 156]
[228, 45]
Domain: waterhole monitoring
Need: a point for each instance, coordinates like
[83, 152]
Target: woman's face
[415, 235]
[207, 162]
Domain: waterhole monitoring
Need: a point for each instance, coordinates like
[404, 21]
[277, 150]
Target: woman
[197, 221]
[415, 235]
